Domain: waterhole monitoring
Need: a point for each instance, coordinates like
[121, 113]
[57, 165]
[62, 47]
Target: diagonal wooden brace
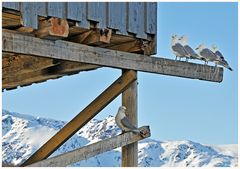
[83, 117]
[91, 150]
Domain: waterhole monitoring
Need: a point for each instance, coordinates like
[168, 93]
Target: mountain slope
[22, 135]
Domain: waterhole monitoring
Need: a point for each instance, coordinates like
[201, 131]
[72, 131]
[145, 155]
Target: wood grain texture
[129, 100]
[53, 27]
[91, 150]
[19, 43]
[83, 117]
[26, 70]
[125, 17]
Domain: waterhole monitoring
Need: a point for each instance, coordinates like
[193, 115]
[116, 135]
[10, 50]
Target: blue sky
[175, 108]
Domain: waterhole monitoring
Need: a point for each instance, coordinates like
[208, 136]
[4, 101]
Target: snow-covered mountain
[23, 134]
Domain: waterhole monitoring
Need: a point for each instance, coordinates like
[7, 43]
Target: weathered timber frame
[121, 84]
[24, 45]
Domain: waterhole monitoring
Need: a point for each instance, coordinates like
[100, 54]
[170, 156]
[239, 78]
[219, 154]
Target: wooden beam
[10, 19]
[40, 71]
[92, 150]
[132, 46]
[129, 100]
[93, 37]
[53, 28]
[19, 43]
[13, 65]
[83, 117]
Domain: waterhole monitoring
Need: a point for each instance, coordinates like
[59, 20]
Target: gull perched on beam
[124, 123]
[178, 49]
[183, 40]
[221, 60]
[206, 54]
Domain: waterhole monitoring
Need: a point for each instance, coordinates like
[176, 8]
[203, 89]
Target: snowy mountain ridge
[23, 134]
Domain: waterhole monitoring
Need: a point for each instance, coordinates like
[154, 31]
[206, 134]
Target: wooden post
[129, 100]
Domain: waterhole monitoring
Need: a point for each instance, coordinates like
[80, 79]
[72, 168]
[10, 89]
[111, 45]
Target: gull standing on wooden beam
[221, 60]
[178, 49]
[124, 123]
[183, 40]
[206, 54]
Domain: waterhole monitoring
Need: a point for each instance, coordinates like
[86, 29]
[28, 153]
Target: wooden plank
[57, 9]
[10, 19]
[43, 70]
[78, 11]
[11, 5]
[29, 14]
[132, 46]
[117, 12]
[25, 29]
[18, 64]
[151, 18]
[19, 43]
[136, 12]
[41, 9]
[129, 100]
[93, 37]
[97, 13]
[141, 20]
[83, 117]
[92, 150]
[53, 28]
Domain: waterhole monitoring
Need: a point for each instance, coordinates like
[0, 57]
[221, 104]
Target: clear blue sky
[175, 108]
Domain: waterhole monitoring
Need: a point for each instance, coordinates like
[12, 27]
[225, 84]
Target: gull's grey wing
[126, 123]
[208, 54]
[218, 53]
[191, 51]
[179, 49]
[225, 64]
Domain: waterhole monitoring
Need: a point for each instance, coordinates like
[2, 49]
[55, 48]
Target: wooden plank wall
[125, 17]
[114, 21]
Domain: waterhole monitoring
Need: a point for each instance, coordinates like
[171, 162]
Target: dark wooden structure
[48, 40]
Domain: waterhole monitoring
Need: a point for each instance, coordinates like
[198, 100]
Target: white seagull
[124, 123]
[221, 60]
[178, 49]
[183, 40]
[206, 54]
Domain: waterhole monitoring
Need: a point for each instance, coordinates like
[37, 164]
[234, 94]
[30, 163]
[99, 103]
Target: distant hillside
[24, 134]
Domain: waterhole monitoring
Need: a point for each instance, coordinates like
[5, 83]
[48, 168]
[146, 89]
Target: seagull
[124, 123]
[216, 51]
[191, 53]
[178, 49]
[221, 60]
[206, 54]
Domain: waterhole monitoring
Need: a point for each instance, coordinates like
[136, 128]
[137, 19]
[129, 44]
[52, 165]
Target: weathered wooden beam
[83, 117]
[129, 100]
[53, 28]
[132, 46]
[93, 37]
[13, 65]
[32, 69]
[25, 29]
[91, 150]
[18, 43]
[10, 19]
